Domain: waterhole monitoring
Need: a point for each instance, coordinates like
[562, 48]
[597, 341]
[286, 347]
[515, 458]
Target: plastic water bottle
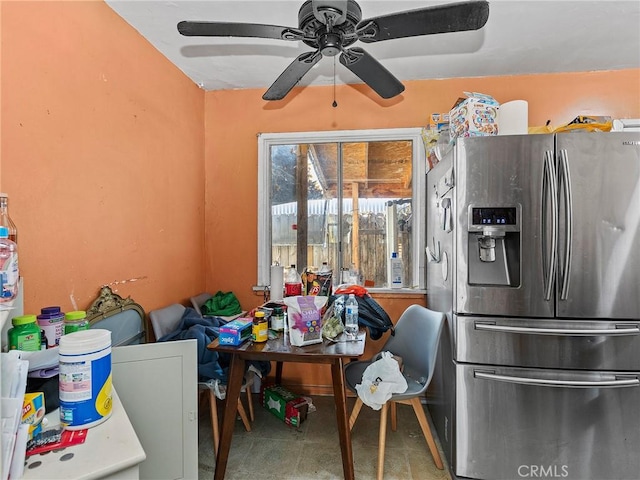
[5, 218]
[351, 317]
[9, 273]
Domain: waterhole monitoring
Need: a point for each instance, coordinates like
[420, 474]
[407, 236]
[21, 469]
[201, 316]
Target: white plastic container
[397, 271]
[85, 378]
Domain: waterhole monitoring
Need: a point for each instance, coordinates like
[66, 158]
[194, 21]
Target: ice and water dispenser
[494, 245]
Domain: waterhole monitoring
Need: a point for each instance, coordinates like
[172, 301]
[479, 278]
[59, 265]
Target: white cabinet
[157, 384]
[155, 414]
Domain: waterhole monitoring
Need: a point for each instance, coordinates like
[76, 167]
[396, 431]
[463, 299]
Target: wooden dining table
[279, 349]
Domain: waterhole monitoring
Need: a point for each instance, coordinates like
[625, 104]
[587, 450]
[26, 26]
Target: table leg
[340, 397]
[236, 373]
[278, 373]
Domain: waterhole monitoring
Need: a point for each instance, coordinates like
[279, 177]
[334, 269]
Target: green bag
[222, 304]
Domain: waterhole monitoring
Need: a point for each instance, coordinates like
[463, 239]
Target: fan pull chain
[334, 104]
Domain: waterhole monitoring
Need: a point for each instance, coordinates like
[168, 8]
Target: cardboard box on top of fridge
[439, 121]
[474, 116]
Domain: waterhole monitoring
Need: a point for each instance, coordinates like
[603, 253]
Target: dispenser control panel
[505, 218]
[493, 216]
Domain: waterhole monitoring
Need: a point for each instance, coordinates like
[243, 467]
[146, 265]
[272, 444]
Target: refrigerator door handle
[619, 381]
[568, 233]
[624, 329]
[549, 192]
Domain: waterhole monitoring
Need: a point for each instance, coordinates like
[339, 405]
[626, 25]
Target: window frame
[418, 186]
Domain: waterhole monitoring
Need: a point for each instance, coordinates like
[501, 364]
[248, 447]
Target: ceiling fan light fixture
[330, 44]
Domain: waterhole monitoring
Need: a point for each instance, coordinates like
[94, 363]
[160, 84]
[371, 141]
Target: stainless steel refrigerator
[534, 253]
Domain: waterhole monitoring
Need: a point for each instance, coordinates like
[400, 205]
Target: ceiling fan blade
[292, 75]
[452, 17]
[371, 72]
[231, 29]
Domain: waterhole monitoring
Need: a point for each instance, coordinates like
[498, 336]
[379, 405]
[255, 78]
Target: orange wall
[102, 148]
[234, 118]
[122, 172]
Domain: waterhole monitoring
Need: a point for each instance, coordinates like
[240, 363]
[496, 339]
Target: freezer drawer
[537, 343]
[519, 423]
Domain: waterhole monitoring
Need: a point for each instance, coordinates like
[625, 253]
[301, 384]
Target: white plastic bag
[380, 380]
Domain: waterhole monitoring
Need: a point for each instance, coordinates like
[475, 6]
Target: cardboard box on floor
[287, 406]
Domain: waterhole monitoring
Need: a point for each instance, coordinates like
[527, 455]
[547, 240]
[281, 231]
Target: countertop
[111, 450]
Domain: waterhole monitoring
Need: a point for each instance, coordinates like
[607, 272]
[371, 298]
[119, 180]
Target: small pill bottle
[51, 322]
[277, 319]
[25, 334]
[260, 329]
[75, 321]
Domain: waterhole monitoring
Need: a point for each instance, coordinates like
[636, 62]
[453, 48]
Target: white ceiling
[520, 37]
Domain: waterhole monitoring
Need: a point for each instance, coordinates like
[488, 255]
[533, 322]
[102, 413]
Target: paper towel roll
[626, 125]
[277, 282]
[513, 118]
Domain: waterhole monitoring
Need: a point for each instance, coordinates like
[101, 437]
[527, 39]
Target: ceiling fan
[330, 26]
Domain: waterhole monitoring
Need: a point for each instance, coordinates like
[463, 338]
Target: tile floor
[273, 450]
